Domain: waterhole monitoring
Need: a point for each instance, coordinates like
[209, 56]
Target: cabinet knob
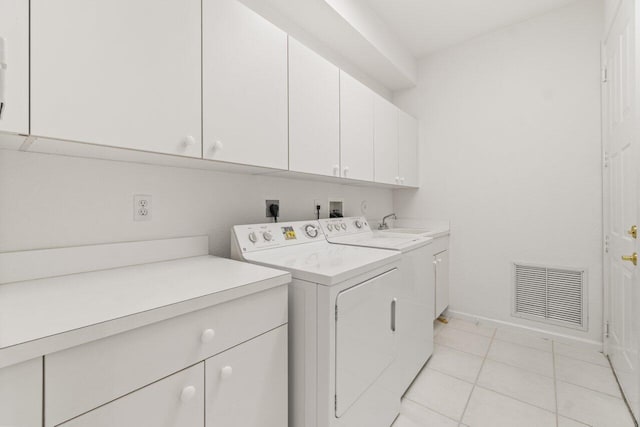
[439, 259]
[345, 170]
[397, 179]
[188, 141]
[207, 335]
[435, 262]
[187, 393]
[336, 170]
[218, 145]
[402, 179]
[226, 372]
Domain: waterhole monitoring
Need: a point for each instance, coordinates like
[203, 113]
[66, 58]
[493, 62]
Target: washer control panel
[343, 226]
[276, 234]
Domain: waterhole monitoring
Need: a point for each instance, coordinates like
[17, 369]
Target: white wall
[510, 153]
[52, 201]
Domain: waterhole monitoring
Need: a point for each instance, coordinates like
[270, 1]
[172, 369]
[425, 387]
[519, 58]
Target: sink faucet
[384, 225]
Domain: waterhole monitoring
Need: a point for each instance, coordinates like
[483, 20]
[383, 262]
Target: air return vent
[551, 295]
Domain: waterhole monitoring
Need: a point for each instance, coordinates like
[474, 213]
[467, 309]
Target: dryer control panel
[276, 234]
[333, 227]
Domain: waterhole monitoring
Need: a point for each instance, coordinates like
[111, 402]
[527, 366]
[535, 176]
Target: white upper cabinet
[14, 66]
[314, 112]
[356, 129]
[118, 73]
[386, 141]
[408, 150]
[244, 86]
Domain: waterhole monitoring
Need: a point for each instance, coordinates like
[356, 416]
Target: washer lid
[322, 262]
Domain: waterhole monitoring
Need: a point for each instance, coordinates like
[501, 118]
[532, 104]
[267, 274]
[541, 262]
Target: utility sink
[407, 230]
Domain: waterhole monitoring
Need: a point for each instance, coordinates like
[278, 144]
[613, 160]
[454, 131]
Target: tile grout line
[475, 383]
[555, 380]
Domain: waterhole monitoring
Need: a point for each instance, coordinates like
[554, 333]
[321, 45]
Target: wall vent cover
[551, 295]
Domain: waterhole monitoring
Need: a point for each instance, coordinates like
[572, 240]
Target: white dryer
[415, 304]
[342, 339]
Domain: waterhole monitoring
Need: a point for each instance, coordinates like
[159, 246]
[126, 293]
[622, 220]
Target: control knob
[253, 237]
[267, 236]
[311, 230]
[344, 226]
[329, 227]
[358, 223]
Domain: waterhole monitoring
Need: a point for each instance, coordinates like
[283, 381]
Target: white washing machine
[415, 306]
[342, 322]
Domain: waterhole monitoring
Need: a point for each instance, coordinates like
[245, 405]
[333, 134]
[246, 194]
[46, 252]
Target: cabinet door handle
[187, 393]
[188, 141]
[394, 303]
[3, 70]
[207, 335]
[336, 170]
[226, 372]
[345, 170]
[218, 145]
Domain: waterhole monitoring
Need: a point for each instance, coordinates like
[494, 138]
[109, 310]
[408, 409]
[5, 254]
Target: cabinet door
[244, 86]
[408, 149]
[442, 281]
[176, 401]
[314, 103]
[14, 78]
[118, 72]
[247, 385]
[356, 129]
[386, 141]
[21, 394]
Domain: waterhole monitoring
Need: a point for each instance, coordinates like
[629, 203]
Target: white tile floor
[482, 376]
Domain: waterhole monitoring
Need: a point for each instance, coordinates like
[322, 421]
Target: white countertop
[41, 316]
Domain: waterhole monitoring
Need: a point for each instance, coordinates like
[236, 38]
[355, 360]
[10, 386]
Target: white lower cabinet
[155, 375]
[21, 394]
[175, 401]
[246, 386]
[441, 268]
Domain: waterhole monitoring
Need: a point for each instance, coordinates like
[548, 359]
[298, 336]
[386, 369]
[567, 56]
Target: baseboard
[567, 339]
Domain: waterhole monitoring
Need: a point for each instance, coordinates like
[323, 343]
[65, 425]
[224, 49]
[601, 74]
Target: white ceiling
[425, 26]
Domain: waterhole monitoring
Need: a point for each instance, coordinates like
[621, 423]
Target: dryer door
[365, 344]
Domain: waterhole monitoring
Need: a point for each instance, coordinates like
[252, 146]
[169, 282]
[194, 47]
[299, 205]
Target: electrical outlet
[142, 207]
[268, 204]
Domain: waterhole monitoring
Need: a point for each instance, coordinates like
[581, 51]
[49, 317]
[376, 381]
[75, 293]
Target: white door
[175, 401]
[118, 72]
[314, 112]
[407, 149]
[385, 141]
[365, 336]
[247, 385]
[620, 126]
[356, 129]
[245, 105]
[14, 78]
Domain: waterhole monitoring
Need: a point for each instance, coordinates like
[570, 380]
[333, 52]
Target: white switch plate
[142, 207]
